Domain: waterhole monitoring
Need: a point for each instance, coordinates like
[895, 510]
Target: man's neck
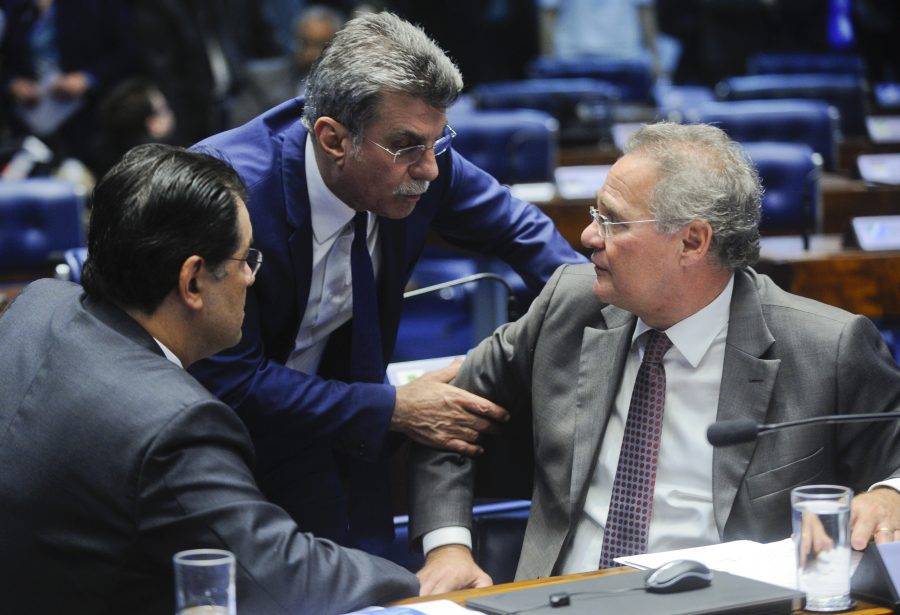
[167, 328]
[695, 295]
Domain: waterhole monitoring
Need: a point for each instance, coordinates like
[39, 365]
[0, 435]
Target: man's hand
[450, 568]
[70, 85]
[436, 414]
[875, 514]
[24, 91]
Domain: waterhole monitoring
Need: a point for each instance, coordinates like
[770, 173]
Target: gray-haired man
[621, 364]
[342, 203]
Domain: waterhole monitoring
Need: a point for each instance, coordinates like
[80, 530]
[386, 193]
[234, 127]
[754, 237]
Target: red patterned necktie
[631, 504]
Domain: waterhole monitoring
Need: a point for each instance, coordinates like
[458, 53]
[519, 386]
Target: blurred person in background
[59, 58]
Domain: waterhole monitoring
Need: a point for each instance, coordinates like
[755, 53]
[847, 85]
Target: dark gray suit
[786, 358]
[112, 459]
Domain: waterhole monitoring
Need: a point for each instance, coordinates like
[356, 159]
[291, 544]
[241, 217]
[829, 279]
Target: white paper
[541, 192]
[772, 562]
[405, 372]
[581, 182]
[435, 607]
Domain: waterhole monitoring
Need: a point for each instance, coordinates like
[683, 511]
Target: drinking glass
[204, 582]
[821, 523]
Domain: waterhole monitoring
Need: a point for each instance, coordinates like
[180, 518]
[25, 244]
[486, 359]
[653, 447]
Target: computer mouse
[677, 576]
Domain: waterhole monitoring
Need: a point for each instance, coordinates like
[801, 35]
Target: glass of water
[821, 524]
[204, 582]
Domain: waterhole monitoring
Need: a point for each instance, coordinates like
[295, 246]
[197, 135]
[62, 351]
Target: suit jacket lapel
[603, 354]
[296, 203]
[745, 392]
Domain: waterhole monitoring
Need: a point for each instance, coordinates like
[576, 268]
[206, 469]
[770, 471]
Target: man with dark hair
[113, 457]
[620, 365]
[342, 201]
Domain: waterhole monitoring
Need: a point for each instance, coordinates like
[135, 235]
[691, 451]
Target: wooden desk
[865, 283]
[460, 597]
[844, 198]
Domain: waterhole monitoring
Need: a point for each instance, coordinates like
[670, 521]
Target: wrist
[452, 550]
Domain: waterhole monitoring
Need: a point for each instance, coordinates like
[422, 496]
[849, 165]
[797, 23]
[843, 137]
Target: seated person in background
[113, 457]
[344, 188]
[621, 364]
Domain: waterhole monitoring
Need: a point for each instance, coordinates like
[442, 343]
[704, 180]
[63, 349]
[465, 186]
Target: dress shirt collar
[695, 334]
[329, 213]
[169, 354]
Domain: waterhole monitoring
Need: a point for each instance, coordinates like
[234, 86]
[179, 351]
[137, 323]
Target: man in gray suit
[114, 458]
[621, 364]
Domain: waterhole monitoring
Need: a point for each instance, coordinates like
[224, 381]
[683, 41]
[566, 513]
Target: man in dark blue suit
[341, 203]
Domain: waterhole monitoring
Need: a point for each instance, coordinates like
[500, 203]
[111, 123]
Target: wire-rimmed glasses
[608, 228]
[413, 154]
[254, 260]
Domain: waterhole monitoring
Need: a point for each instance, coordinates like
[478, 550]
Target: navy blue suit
[315, 436]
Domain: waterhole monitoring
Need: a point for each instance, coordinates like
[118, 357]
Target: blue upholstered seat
[515, 146]
[583, 107]
[787, 63]
[812, 123]
[633, 76]
[844, 92]
[790, 178]
[39, 219]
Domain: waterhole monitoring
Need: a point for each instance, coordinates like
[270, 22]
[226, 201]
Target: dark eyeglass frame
[254, 260]
[413, 154]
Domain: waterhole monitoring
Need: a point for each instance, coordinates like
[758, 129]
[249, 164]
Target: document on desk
[767, 562]
[434, 607]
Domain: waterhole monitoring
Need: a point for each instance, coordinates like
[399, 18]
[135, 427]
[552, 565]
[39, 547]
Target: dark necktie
[631, 504]
[366, 362]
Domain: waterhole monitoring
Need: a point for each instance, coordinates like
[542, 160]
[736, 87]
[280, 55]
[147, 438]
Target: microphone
[738, 431]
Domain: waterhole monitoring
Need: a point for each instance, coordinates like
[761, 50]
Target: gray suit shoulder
[774, 299]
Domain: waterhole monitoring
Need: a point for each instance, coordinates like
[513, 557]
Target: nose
[426, 168]
[592, 238]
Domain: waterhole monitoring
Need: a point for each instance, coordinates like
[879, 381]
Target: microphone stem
[831, 420]
[465, 280]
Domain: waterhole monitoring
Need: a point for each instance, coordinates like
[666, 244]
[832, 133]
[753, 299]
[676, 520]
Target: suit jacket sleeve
[483, 216]
[195, 489]
[500, 369]
[867, 380]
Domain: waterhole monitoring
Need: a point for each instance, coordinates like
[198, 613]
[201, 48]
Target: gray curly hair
[704, 175]
[371, 55]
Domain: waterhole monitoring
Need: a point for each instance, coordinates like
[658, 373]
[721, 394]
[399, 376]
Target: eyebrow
[606, 206]
[407, 133]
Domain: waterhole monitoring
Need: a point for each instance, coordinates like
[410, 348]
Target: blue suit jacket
[313, 433]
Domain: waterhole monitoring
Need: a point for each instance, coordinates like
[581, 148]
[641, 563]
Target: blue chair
[790, 177]
[792, 63]
[844, 92]
[675, 101]
[813, 123]
[453, 320]
[39, 219]
[633, 77]
[887, 95]
[583, 107]
[515, 146]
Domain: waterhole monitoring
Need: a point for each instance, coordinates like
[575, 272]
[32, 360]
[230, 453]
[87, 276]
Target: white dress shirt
[330, 302]
[682, 500]
[169, 354]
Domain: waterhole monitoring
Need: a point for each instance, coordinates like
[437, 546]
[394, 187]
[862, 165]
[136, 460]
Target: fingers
[483, 580]
[462, 447]
[483, 407]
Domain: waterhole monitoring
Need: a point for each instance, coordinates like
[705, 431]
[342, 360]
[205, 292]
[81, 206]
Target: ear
[333, 138]
[190, 283]
[695, 242]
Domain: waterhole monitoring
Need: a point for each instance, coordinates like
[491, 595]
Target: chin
[603, 290]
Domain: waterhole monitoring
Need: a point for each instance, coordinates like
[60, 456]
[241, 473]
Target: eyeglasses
[254, 260]
[608, 228]
[413, 154]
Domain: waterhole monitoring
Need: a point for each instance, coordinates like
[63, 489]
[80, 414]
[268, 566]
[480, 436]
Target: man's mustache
[413, 188]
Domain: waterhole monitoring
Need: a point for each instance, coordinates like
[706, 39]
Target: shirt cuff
[452, 535]
[893, 483]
